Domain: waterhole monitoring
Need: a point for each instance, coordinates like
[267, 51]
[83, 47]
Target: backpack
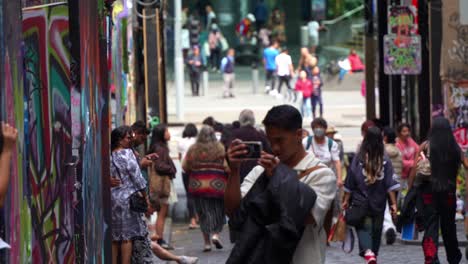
[309, 143]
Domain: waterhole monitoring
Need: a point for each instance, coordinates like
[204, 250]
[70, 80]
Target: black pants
[195, 83]
[439, 211]
[286, 79]
[190, 204]
[317, 101]
[215, 55]
[270, 79]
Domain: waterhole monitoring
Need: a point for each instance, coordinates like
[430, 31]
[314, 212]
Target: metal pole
[370, 61]
[205, 82]
[178, 60]
[254, 79]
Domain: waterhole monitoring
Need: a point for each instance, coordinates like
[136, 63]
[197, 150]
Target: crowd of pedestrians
[390, 182]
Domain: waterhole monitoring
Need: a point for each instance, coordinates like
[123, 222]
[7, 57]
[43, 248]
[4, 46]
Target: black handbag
[137, 201]
[357, 210]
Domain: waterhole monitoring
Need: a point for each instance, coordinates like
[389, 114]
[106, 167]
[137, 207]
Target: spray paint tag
[463, 12]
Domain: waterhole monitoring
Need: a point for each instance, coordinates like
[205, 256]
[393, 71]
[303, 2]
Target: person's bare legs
[115, 252]
[206, 238]
[161, 220]
[162, 253]
[126, 252]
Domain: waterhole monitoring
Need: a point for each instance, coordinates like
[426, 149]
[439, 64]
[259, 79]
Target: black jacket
[411, 209]
[271, 219]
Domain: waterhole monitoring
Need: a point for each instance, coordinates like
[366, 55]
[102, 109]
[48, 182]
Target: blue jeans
[306, 107]
[370, 233]
[343, 72]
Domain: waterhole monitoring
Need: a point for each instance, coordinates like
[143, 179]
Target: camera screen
[254, 150]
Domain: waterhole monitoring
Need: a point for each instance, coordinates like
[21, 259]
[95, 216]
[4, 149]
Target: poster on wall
[456, 110]
[402, 20]
[402, 55]
[319, 10]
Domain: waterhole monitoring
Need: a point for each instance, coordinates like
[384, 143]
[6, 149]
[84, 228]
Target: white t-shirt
[313, 27]
[322, 151]
[184, 145]
[283, 63]
[311, 249]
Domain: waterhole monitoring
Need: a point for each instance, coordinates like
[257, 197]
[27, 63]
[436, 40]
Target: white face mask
[319, 132]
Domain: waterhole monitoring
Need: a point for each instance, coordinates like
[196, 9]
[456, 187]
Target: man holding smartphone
[284, 131]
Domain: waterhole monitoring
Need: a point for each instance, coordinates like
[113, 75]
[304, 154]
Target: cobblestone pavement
[191, 243]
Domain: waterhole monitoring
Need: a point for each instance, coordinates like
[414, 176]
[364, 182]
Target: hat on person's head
[251, 17]
[331, 130]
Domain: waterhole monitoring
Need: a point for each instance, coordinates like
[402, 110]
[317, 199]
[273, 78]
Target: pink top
[304, 86]
[408, 151]
[356, 63]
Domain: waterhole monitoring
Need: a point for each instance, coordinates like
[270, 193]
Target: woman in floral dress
[126, 224]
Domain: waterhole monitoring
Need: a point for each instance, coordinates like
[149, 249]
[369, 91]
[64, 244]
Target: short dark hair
[209, 121]
[285, 117]
[190, 131]
[403, 125]
[140, 127]
[218, 127]
[390, 134]
[319, 122]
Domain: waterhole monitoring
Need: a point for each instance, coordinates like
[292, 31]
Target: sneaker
[165, 245]
[188, 260]
[273, 93]
[390, 236]
[279, 96]
[207, 248]
[370, 257]
[216, 242]
[267, 89]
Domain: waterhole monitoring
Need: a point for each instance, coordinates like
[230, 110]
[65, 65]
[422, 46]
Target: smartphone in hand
[254, 150]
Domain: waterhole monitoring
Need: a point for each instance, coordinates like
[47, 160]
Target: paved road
[190, 243]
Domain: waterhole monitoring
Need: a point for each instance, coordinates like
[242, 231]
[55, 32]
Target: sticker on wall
[402, 55]
[402, 20]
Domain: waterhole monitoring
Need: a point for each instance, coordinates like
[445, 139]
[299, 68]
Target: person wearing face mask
[324, 148]
[328, 152]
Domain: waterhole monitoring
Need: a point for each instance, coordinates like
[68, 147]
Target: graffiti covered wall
[95, 122]
[47, 83]
[17, 231]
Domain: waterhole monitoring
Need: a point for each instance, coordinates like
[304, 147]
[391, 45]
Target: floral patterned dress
[126, 224]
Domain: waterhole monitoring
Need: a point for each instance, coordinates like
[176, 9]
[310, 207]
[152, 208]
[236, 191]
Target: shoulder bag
[137, 200]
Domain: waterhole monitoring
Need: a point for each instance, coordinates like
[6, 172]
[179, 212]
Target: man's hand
[114, 182]
[269, 162]
[345, 204]
[10, 134]
[339, 183]
[236, 150]
[393, 210]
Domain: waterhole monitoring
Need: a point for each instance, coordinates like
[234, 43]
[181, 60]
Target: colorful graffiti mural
[47, 82]
[95, 122]
[13, 111]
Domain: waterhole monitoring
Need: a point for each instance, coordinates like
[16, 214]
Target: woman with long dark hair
[161, 175]
[127, 224]
[435, 175]
[369, 181]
